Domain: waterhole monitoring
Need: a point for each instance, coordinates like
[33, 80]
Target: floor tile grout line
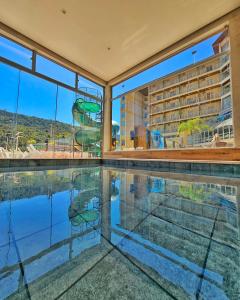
[83, 275]
[206, 258]
[53, 247]
[36, 232]
[164, 256]
[185, 228]
[168, 221]
[138, 267]
[122, 253]
[21, 266]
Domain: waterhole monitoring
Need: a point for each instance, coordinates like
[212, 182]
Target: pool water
[104, 233]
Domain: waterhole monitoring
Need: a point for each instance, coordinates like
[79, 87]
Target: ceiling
[107, 37]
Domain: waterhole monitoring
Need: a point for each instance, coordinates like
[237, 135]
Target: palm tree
[187, 128]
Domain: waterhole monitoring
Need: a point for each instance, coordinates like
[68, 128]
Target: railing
[225, 74]
[226, 90]
[199, 71]
[172, 105]
[205, 97]
[209, 111]
[186, 90]
[171, 130]
[225, 132]
[189, 101]
[189, 115]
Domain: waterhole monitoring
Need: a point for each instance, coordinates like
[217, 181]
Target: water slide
[88, 133]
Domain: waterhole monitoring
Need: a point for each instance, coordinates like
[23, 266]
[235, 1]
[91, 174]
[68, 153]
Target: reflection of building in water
[173, 241]
[133, 190]
[195, 206]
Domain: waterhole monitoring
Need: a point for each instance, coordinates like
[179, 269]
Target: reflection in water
[176, 237]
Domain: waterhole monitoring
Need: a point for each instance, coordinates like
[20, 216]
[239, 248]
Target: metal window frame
[33, 71]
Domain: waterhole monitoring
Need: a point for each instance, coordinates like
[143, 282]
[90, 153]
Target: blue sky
[181, 60]
[38, 96]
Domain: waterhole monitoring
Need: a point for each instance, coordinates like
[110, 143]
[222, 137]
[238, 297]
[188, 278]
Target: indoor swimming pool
[109, 233]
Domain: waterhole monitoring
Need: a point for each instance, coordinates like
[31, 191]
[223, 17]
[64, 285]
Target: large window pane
[9, 78]
[54, 70]
[187, 57]
[118, 137]
[36, 117]
[87, 113]
[189, 108]
[41, 119]
[64, 130]
[130, 122]
[90, 87]
[15, 52]
[78, 126]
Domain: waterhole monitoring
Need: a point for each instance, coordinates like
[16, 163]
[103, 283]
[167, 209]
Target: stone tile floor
[95, 233]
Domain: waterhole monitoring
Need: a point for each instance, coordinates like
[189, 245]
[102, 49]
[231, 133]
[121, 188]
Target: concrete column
[234, 35]
[107, 120]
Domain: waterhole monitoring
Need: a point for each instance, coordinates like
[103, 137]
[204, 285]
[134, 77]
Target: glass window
[9, 78]
[64, 130]
[116, 116]
[54, 70]
[90, 87]
[15, 52]
[40, 119]
[36, 117]
[187, 57]
[87, 117]
[190, 108]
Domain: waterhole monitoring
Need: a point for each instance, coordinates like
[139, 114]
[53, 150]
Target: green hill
[34, 129]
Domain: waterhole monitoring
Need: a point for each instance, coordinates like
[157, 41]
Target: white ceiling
[133, 29]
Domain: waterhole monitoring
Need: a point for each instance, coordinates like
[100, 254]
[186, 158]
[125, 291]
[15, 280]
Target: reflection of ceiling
[107, 37]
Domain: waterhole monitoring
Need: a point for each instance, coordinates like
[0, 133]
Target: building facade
[134, 120]
[202, 90]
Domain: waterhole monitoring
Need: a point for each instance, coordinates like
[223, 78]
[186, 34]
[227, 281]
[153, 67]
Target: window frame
[33, 71]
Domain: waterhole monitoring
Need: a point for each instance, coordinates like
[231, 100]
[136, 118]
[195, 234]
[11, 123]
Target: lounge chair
[5, 153]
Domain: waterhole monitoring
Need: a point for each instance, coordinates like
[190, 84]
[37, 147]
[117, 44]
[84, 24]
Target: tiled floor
[99, 233]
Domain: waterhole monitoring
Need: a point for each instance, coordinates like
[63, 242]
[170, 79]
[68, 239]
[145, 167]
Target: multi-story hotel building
[201, 90]
[134, 119]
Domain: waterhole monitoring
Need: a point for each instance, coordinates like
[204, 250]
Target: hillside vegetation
[33, 129]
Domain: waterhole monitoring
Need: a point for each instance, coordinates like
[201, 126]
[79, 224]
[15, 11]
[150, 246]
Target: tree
[189, 127]
[31, 141]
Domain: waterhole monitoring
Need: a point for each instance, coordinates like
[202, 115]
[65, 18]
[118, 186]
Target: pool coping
[213, 168]
[209, 167]
[45, 162]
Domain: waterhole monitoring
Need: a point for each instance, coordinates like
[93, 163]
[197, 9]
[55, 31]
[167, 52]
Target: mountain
[33, 129]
